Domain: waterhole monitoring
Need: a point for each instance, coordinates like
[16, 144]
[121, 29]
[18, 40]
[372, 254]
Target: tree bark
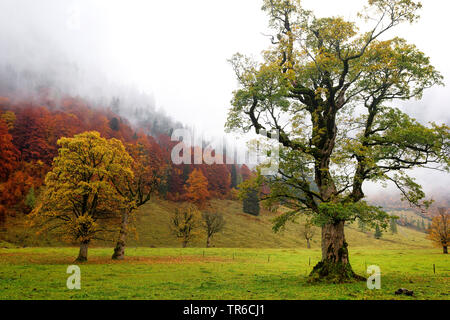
[445, 250]
[335, 265]
[83, 254]
[119, 250]
[308, 244]
[208, 241]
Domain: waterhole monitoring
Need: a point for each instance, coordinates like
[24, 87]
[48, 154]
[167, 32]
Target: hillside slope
[241, 231]
[246, 231]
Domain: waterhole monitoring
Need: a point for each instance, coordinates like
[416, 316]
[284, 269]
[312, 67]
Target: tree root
[334, 272]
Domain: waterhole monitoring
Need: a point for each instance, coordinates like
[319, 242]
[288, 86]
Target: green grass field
[261, 265]
[194, 273]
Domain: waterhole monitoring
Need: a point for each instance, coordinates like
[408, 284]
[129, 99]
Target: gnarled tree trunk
[208, 241]
[119, 250]
[445, 250]
[83, 254]
[335, 265]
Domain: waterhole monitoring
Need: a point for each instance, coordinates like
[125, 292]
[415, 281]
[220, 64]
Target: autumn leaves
[80, 200]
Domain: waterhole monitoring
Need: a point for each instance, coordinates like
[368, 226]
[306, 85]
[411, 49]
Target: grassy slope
[241, 231]
[245, 231]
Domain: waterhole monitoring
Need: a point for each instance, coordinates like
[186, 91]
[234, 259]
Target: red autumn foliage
[246, 173]
[9, 155]
[219, 179]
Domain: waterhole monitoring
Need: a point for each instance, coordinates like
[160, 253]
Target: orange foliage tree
[197, 188]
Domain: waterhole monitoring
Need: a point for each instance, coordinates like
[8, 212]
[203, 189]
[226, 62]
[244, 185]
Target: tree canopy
[186, 224]
[328, 89]
[79, 200]
[197, 188]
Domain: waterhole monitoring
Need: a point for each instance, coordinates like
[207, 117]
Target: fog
[172, 56]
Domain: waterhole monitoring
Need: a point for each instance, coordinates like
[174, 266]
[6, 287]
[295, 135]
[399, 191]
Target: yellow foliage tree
[10, 118]
[79, 202]
[439, 231]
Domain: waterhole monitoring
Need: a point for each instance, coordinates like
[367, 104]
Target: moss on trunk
[335, 265]
[334, 272]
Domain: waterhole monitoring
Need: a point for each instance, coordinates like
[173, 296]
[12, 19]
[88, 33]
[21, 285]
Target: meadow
[217, 273]
[249, 261]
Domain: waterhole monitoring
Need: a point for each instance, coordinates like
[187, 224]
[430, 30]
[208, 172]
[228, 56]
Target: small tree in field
[250, 204]
[80, 201]
[393, 226]
[197, 188]
[361, 225]
[378, 234]
[439, 231]
[186, 224]
[326, 89]
[213, 223]
[308, 232]
[250, 193]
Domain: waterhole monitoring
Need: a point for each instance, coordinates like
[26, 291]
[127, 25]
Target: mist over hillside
[55, 81]
[51, 49]
[392, 201]
[42, 56]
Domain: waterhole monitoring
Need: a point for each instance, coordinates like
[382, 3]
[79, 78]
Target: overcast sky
[177, 50]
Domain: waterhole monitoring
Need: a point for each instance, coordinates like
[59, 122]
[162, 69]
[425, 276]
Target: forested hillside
[30, 129]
